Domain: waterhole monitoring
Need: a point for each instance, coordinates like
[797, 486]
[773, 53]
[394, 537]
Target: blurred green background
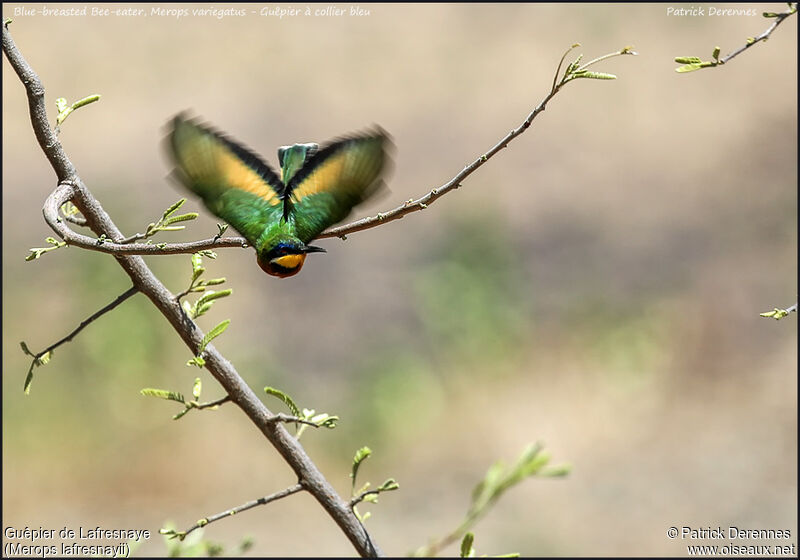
[596, 286]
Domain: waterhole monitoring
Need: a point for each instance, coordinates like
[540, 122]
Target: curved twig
[67, 191]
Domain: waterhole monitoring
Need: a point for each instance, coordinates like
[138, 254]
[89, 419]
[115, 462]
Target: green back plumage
[322, 185]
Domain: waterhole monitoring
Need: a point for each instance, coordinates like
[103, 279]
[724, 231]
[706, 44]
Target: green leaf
[214, 333]
[325, 421]
[389, 485]
[779, 314]
[691, 67]
[29, 353]
[85, 101]
[181, 218]
[595, 75]
[287, 400]
[181, 414]
[211, 295]
[28, 380]
[214, 282]
[688, 60]
[44, 358]
[202, 309]
[358, 458]
[466, 546]
[715, 54]
[560, 470]
[163, 394]
[197, 388]
[69, 209]
[64, 111]
[173, 208]
[197, 266]
[196, 361]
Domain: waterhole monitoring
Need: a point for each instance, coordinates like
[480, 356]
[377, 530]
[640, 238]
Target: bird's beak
[313, 249]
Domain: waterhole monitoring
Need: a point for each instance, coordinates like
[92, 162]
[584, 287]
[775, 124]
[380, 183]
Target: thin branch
[423, 202]
[763, 37]
[412, 205]
[72, 187]
[93, 317]
[40, 358]
[68, 191]
[778, 313]
[286, 419]
[361, 497]
[211, 404]
[239, 509]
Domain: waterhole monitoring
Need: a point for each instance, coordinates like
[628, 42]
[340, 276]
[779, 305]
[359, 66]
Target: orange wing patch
[346, 167]
[236, 174]
[213, 163]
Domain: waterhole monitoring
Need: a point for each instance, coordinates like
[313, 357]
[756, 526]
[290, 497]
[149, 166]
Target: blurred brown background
[596, 286]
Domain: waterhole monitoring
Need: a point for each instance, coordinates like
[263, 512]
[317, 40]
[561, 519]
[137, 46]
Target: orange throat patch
[285, 266]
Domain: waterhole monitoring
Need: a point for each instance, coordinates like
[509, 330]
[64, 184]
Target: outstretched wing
[234, 183]
[334, 180]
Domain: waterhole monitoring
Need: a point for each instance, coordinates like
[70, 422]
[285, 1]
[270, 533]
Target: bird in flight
[279, 215]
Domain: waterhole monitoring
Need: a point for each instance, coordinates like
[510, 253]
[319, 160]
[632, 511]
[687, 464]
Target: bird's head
[286, 257]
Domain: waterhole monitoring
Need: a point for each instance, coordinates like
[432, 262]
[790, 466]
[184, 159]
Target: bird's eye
[283, 249]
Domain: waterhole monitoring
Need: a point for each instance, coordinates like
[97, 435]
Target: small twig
[778, 314]
[361, 497]
[244, 507]
[763, 37]
[412, 205]
[66, 191]
[285, 418]
[132, 238]
[93, 317]
[37, 357]
[212, 404]
[425, 201]
[693, 63]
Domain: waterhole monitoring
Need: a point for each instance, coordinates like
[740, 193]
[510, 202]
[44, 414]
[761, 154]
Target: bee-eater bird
[278, 215]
